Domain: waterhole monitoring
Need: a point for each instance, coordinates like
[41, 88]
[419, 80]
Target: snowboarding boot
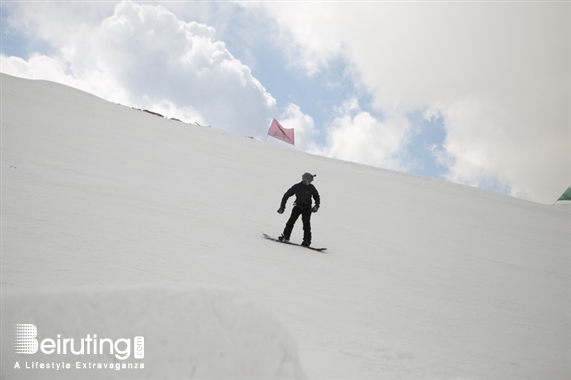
[283, 238]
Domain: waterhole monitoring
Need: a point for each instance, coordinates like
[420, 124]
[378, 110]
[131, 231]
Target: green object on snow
[566, 195]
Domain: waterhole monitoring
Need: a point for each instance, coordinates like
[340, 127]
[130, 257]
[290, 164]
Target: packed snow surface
[202, 333]
[120, 223]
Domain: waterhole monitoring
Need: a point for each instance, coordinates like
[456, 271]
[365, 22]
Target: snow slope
[203, 333]
[118, 222]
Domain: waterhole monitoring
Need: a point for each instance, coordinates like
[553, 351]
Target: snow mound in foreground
[188, 333]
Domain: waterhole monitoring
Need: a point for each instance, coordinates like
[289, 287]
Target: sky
[476, 93]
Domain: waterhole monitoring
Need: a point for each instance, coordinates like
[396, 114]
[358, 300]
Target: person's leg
[295, 212]
[306, 219]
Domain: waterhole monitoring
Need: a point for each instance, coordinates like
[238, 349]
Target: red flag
[281, 133]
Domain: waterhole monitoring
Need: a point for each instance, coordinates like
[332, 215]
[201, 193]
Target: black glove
[315, 208]
[281, 210]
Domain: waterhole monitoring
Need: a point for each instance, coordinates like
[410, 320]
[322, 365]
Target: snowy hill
[119, 223]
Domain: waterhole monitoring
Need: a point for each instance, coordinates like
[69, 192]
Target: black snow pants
[306, 219]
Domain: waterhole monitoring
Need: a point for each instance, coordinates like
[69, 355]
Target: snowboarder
[303, 192]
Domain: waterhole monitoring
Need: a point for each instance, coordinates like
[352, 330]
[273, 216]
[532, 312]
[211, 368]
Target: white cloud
[167, 108]
[43, 67]
[150, 59]
[304, 128]
[358, 136]
[495, 71]
[38, 66]
[481, 150]
[308, 32]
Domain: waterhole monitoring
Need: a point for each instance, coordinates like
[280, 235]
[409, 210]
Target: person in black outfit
[304, 192]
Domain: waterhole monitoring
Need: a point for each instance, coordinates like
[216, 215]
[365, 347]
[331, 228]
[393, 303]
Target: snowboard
[290, 243]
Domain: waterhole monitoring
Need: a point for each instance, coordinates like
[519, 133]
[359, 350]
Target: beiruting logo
[25, 338]
[25, 342]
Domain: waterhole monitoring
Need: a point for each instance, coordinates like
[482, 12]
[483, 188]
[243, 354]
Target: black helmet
[307, 177]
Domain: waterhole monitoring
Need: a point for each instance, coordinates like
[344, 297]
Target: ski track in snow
[115, 219]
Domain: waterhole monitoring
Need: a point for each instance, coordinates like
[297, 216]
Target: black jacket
[303, 194]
